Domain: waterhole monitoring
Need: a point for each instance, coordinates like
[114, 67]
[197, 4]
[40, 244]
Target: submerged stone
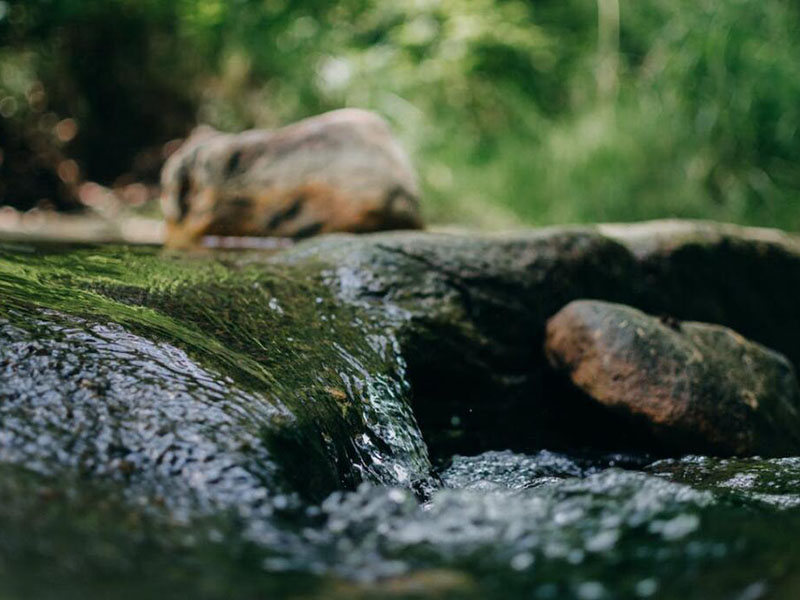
[695, 387]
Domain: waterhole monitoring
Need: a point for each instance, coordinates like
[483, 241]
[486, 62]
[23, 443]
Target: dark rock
[155, 406]
[745, 278]
[344, 335]
[696, 387]
[470, 310]
[469, 313]
[205, 380]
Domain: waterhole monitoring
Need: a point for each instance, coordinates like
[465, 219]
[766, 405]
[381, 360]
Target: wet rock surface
[472, 311]
[105, 403]
[745, 278]
[236, 424]
[696, 527]
[695, 387]
[149, 359]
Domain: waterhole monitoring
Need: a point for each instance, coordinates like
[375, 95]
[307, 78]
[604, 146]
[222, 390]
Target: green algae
[261, 396]
[268, 328]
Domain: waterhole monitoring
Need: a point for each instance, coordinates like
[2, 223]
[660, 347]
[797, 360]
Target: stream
[137, 460]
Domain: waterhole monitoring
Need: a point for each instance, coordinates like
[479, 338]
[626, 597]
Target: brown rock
[696, 387]
[339, 171]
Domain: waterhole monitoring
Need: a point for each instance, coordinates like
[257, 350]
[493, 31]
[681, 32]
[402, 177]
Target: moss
[303, 367]
[270, 328]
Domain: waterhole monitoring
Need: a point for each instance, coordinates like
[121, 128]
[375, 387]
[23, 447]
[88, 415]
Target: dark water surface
[504, 525]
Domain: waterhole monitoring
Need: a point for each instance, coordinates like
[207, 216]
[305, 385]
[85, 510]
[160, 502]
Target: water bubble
[274, 305]
[754, 591]
[603, 541]
[8, 106]
[575, 556]
[397, 496]
[675, 528]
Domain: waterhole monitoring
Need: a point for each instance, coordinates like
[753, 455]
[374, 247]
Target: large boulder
[471, 310]
[228, 376]
[338, 171]
[695, 387]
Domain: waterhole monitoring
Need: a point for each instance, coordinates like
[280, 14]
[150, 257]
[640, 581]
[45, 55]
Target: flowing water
[550, 525]
[504, 525]
[134, 463]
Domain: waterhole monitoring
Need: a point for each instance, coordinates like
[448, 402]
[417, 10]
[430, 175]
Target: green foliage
[535, 110]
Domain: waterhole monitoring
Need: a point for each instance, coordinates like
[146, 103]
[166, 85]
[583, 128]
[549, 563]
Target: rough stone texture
[346, 334]
[339, 171]
[746, 278]
[696, 387]
[184, 405]
[471, 310]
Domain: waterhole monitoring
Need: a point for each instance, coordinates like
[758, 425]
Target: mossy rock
[332, 352]
[234, 359]
[222, 391]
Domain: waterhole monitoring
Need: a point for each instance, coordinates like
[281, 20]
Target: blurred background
[516, 112]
